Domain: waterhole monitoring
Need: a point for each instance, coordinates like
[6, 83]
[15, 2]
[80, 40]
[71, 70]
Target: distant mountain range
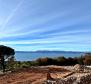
[33, 55]
[47, 51]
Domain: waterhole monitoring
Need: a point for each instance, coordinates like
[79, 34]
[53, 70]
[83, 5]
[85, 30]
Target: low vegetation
[24, 71]
[60, 61]
[8, 61]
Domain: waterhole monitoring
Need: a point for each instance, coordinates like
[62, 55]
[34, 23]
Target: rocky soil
[48, 75]
[79, 75]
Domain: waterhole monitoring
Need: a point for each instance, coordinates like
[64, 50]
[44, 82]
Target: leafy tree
[5, 53]
[71, 61]
[61, 60]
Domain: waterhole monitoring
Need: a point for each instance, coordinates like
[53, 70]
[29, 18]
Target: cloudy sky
[28, 25]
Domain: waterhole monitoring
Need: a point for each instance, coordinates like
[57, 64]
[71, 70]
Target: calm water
[28, 56]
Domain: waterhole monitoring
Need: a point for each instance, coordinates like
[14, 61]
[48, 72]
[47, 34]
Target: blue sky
[29, 25]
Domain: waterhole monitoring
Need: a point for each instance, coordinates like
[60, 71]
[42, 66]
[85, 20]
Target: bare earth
[32, 75]
[36, 75]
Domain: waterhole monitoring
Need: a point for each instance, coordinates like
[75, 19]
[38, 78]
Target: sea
[30, 56]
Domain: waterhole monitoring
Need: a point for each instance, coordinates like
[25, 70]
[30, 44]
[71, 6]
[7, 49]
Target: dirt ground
[32, 75]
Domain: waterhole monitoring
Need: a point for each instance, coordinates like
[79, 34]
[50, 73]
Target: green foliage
[10, 63]
[85, 59]
[5, 53]
[80, 60]
[23, 64]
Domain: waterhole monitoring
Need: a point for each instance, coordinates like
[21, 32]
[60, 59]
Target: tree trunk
[3, 63]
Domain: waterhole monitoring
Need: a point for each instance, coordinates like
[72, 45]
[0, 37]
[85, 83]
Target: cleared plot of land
[32, 75]
[37, 75]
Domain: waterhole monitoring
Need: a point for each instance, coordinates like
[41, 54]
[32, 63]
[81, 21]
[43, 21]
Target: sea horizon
[33, 55]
